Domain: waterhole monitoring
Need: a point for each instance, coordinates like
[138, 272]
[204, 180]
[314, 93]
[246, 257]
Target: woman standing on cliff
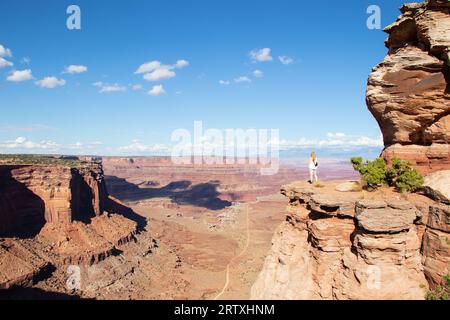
[313, 165]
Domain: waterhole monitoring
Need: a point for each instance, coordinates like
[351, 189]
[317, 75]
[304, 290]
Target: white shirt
[312, 164]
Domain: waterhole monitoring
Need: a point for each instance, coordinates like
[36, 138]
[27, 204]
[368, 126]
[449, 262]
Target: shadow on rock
[117, 207]
[20, 293]
[203, 195]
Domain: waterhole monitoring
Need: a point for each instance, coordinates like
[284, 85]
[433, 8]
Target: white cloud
[5, 63]
[74, 69]
[136, 87]
[148, 67]
[23, 143]
[5, 52]
[334, 140]
[84, 146]
[242, 79]
[155, 65]
[20, 75]
[107, 88]
[181, 63]
[138, 147]
[257, 73]
[285, 60]
[261, 55]
[113, 88]
[156, 71]
[159, 74]
[224, 82]
[50, 82]
[336, 135]
[25, 60]
[157, 91]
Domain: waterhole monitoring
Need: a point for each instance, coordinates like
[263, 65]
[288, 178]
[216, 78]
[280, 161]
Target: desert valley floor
[205, 232]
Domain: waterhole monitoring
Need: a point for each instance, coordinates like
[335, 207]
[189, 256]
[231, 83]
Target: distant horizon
[301, 153]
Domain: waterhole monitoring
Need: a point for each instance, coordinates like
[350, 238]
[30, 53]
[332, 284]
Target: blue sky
[316, 96]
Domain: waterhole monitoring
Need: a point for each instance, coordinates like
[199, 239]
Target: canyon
[51, 215]
[152, 228]
[139, 228]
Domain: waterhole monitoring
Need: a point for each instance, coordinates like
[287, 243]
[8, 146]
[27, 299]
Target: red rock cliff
[356, 245]
[54, 215]
[32, 195]
[409, 92]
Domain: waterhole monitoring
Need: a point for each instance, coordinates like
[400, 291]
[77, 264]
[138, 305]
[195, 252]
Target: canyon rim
[125, 220]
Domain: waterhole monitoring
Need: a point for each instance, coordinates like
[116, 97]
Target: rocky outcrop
[355, 246]
[437, 186]
[54, 215]
[20, 265]
[409, 92]
[36, 194]
[85, 244]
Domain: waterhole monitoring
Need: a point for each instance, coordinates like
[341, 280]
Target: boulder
[437, 186]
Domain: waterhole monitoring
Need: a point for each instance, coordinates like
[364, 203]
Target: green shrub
[400, 175]
[372, 172]
[442, 292]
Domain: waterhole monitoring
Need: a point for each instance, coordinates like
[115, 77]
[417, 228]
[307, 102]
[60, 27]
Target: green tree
[372, 172]
[400, 175]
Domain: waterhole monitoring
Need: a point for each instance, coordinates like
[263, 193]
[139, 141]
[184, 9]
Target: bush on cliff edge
[442, 292]
[377, 173]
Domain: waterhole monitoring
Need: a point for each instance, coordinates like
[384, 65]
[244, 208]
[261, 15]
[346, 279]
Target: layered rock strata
[348, 246]
[55, 215]
[409, 92]
[34, 195]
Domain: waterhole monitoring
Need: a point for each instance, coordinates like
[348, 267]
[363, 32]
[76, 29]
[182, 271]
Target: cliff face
[52, 215]
[409, 92]
[354, 246]
[36, 194]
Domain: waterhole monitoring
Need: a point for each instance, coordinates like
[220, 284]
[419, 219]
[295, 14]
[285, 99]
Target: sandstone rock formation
[36, 194]
[409, 92]
[52, 215]
[19, 264]
[437, 186]
[356, 246]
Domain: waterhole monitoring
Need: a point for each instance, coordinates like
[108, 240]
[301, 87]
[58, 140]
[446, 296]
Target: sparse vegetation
[27, 159]
[404, 177]
[373, 172]
[447, 241]
[442, 292]
[377, 173]
[319, 185]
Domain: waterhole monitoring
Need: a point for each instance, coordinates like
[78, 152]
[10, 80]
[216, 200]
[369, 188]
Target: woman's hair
[314, 156]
